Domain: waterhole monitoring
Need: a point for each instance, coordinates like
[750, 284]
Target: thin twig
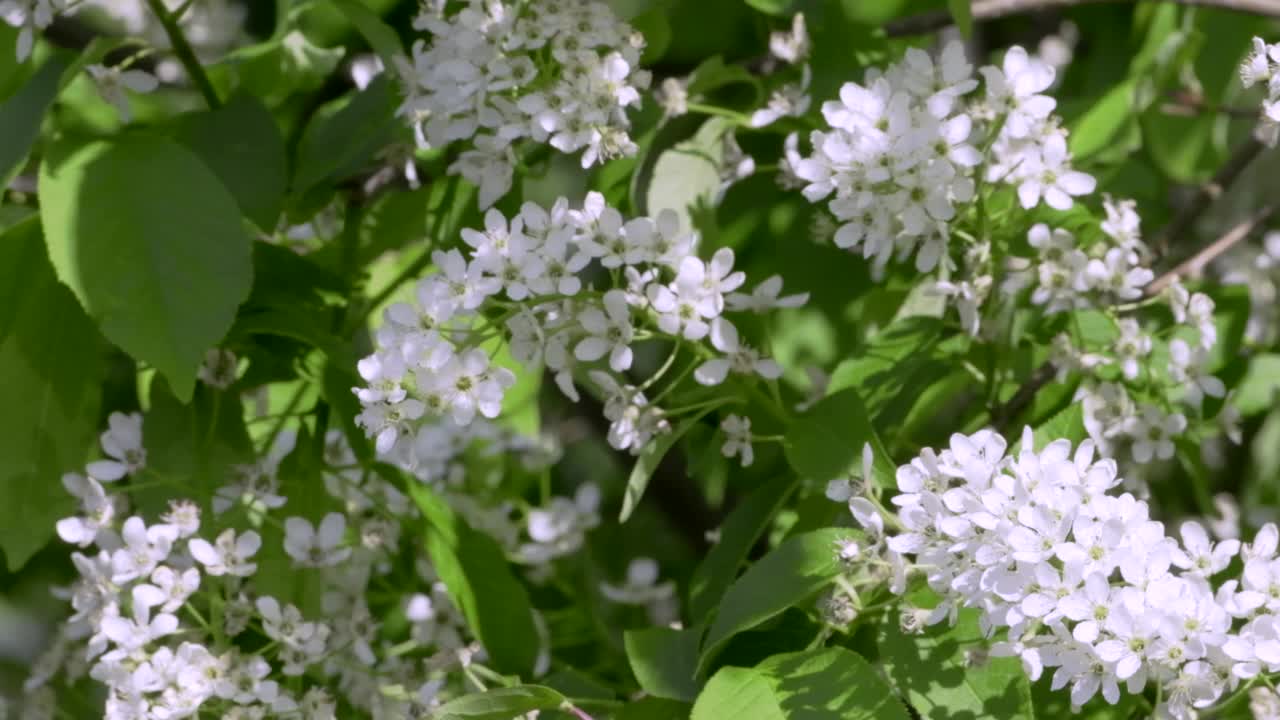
[992, 9]
[1003, 415]
[1196, 263]
[1204, 196]
[185, 54]
[1183, 103]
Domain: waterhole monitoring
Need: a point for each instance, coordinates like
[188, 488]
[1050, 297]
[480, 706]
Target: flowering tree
[634, 359]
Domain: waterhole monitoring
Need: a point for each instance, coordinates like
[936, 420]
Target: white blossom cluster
[519, 284]
[905, 149]
[30, 16]
[167, 614]
[560, 72]
[1077, 580]
[1263, 67]
[1069, 274]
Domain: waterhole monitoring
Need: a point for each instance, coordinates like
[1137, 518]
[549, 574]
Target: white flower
[144, 548]
[1050, 178]
[112, 82]
[738, 358]
[169, 588]
[312, 546]
[642, 586]
[1186, 369]
[737, 439]
[218, 369]
[609, 332]
[791, 46]
[765, 297]
[1153, 432]
[122, 443]
[229, 554]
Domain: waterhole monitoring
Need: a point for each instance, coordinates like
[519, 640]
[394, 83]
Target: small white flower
[229, 554]
[737, 439]
[312, 546]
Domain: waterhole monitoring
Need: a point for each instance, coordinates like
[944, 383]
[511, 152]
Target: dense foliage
[638, 359]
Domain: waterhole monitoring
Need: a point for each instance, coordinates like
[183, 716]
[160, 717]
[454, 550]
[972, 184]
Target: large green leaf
[500, 703]
[1095, 130]
[738, 534]
[345, 135]
[153, 246]
[794, 571]
[946, 672]
[665, 661]
[480, 581]
[50, 368]
[241, 143]
[824, 684]
[22, 113]
[826, 442]
[647, 462]
[1259, 390]
[688, 175]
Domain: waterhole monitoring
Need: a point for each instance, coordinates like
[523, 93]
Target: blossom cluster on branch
[560, 72]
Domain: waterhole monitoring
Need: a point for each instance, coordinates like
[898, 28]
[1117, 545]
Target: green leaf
[946, 672]
[963, 16]
[1260, 388]
[152, 245]
[345, 135]
[50, 369]
[384, 41]
[891, 369]
[791, 573]
[242, 145]
[22, 113]
[772, 7]
[1095, 130]
[648, 462]
[480, 581]
[652, 708]
[500, 703]
[829, 683]
[826, 442]
[740, 531]
[688, 174]
[738, 693]
[665, 661]
[1067, 423]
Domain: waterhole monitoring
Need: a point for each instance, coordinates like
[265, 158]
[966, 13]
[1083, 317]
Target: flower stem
[186, 55]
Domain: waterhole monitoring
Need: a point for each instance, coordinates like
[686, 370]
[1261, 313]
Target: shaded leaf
[665, 661]
[740, 531]
[50, 368]
[480, 581]
[790, 574]
[242, 145]
[152, 244]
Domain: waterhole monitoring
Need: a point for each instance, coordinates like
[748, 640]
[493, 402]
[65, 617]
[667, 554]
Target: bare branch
[992, 9]
[1190, 212]
[1196, 263]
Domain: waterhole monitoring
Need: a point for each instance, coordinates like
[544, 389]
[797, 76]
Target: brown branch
[1196, 263]
[1204, 196]
[1003, 415]
[993, 9]
[1184, 103]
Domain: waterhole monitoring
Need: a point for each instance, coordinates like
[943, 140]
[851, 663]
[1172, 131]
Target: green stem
[186, 55]
[734, 115]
